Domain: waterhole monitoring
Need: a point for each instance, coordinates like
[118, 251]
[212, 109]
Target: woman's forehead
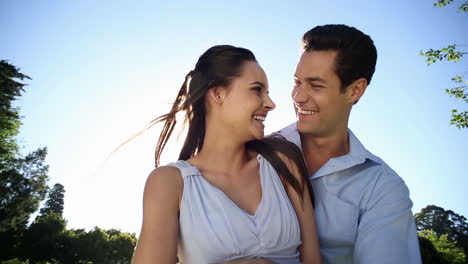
[252, 72]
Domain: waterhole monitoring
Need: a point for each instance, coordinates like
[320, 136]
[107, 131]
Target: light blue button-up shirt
[362, 208]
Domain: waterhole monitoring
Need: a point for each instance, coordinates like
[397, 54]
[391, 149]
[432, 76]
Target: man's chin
[304, 128]
[309, 131]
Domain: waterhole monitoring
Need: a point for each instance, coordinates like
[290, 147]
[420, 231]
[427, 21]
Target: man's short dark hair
[356, 55]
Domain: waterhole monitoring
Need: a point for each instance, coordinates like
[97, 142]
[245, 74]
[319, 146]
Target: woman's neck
[221, 152]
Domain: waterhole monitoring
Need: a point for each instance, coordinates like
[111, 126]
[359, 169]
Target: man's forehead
[316, 64]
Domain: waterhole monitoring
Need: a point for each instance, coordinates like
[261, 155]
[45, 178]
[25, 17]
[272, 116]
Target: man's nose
[298, 95]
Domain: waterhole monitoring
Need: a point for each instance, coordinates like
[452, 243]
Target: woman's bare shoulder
[164, 178]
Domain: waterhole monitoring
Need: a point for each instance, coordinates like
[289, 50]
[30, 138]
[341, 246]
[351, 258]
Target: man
[362, 206]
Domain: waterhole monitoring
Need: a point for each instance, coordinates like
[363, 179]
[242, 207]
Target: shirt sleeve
[387, 230]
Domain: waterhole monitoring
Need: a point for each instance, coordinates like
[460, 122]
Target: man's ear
[356, 90]
[217, 94]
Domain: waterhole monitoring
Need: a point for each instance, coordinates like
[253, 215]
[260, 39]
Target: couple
[307, 194]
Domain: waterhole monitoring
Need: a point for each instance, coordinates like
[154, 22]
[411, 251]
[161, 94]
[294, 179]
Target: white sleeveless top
[214, 229]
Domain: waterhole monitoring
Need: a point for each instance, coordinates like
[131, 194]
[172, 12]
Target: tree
[121, 246]
[22, 179]
[429, 253]
[40, 241]
[69, 246]
[10, 90]
[54, 202]
[443, 222]
[23, 187]
[448, 251]
[94, 246]
[450, 53]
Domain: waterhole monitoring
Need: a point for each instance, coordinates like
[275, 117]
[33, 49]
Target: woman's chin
[259, 135]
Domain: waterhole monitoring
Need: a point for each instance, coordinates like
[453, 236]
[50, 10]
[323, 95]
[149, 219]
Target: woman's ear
[217, 94]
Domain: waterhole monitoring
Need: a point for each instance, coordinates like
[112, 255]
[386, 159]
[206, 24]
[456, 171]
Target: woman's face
[247, 102]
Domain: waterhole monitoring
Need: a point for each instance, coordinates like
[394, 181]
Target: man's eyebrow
[312, 79]
[315, 79]
[258, 83]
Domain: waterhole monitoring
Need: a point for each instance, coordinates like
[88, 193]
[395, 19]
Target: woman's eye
[257, 89]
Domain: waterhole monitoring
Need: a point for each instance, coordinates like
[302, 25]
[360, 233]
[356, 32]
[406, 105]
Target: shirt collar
[357, 154]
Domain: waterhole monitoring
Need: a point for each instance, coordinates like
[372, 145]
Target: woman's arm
[309, 249]
[159, 232]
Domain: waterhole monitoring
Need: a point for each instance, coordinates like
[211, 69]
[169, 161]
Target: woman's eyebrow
[258, 83]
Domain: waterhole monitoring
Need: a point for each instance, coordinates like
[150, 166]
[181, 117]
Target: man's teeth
[306, 112]
[260, 118]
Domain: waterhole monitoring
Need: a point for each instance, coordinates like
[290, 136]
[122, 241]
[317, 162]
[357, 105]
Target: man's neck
[319, 150]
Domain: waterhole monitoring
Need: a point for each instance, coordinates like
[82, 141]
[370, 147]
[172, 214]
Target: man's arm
[387, 230]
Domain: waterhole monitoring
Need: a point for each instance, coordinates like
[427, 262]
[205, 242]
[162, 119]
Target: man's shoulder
[385, 181]
[288, 130]
[382, 172]
[387, 173]
[290, 133]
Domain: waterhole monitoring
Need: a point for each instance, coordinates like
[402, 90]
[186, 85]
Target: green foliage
[47, 239]
[14, 261]
[22, 179]
[70, 247]
[122, 246]
[90, 242]
[54, 202]
[429, 253]
[442, 3]
[462, 8]
[96, 246]
[448, 250]
[23, 187]
[443, 235]
[459, 92]
[10, 90]
[444, 222]
[39, 242]
[450, 53]
[459, 119]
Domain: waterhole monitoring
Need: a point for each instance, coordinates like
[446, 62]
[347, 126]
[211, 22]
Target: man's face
[321, 109]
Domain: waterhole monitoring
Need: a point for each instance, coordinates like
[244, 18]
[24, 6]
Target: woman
[224, 200]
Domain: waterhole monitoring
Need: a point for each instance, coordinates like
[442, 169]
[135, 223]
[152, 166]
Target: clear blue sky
[102, 69]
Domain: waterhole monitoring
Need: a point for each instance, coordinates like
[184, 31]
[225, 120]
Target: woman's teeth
[259, 118]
